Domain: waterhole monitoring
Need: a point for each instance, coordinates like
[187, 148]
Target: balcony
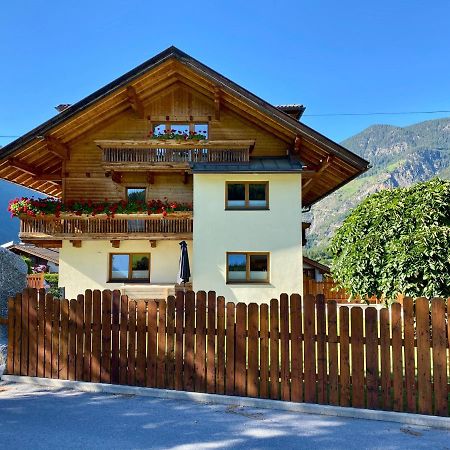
[171, 154]
[51, 229]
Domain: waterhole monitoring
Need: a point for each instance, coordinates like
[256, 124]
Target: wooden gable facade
[64, 156]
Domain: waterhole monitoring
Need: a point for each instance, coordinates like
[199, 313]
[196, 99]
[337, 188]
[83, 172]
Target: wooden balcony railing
[177, 153]
[177, 226]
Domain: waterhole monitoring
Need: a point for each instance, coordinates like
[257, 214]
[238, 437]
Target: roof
[293, 110]
[316, 264]
[36, 152]
[255, 165]
[47, 254]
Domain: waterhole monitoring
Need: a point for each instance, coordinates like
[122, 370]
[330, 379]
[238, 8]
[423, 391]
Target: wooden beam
[43, 244]
[24, 167]
[57, 148]
[136, 102]
[186, 178]
[309, 183]
[152, 244]
[116, 177]
[151, 178]
[115, 243]
[49, 177]
[217, 103]
[76, 243]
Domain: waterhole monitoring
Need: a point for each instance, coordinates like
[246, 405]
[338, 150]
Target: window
[243, 267]
[130, 267]
[247, 195]
[136, 194]
[182, 128]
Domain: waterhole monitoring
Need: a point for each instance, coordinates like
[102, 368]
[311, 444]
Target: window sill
[249, 283]
[247, 209]
[129, 281]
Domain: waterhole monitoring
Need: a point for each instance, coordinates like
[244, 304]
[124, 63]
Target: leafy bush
[28, 263]
[52, 280]
[396, 241]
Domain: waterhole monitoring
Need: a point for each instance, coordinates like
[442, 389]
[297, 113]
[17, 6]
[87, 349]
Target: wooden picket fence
[302, 350]
[35, 280]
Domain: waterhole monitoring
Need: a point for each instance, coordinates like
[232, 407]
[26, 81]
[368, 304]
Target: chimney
[62, 107]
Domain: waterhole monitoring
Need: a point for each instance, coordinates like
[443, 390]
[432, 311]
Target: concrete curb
[306, 408]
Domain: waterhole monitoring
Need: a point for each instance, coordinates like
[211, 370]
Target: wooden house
[175, 131]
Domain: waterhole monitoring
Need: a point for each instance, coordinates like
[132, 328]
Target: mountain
[9, 228]
[400, 156]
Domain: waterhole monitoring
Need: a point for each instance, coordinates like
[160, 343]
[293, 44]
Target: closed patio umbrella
[184, 272]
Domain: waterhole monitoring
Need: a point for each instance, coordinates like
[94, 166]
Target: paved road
[33, 417]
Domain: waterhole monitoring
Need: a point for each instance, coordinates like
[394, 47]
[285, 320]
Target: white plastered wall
[88, 267]
[278, 231]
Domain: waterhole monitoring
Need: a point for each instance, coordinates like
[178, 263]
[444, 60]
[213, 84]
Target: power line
[384, 113]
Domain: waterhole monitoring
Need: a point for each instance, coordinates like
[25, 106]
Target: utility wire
[377, 113]
[343, 114]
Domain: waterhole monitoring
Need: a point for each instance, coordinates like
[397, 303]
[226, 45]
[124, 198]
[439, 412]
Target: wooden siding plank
[64, 341]
[170, 357]
[440, 378]
[310, 348]
[357, 357]
[371, 320]
[241, 353]
[96, 336]
[274, 350]
[200, 343]
[24, 335]
[385, 359]
[53, 335]
[409, 349]
[252, 374]
[32, 332]
[132, 325]
[123, 340]
[105, 373]
[79, 360]
[179, 334]
[211, 344]
[264, 351]
[397, 357]
[161, 367]
[284, 347]
[40, 369]
[423, 356]
[189, 341]
[11, 349]
[72, 338]
[87, 349]
[17, 333]
[230, 349]
[115, 337]
[296, 349]
[344, 347]
[321, 350]
[141, 343]
[220, 375]
[152, 344]
[333, 353]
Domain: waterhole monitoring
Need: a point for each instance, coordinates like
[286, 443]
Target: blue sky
[334, 57]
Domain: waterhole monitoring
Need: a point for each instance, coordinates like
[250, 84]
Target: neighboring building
[38, 256]
[248, 180]
[314, 270]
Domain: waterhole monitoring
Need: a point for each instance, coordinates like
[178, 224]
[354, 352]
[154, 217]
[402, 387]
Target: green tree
[396, 241]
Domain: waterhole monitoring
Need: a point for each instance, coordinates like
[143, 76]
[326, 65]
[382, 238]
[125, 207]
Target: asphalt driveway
[36, 417]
